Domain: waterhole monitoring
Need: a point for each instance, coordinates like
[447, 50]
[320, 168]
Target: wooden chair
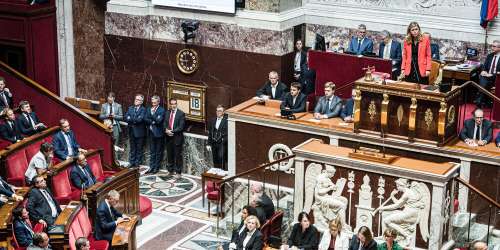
[436, 72]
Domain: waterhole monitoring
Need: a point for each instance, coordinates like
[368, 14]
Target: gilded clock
[188, 61]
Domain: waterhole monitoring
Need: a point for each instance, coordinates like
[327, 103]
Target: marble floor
[179, 220]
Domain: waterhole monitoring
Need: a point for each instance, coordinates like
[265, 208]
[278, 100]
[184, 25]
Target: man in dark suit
[329, 105]
[9, 130]
[477, 131]
[434, 48]
[294, 101]
[28, 122]
[42, 206]
[348, 108]
[64, 142]
[262, 203]
[108, 217]
[135, 117]
[360, 44]
[155, 117]
[497, 140]
[6, 191]
[307, 79]
[391, 50]
[113, 111]
[299, 61]
[175, 120]
[22, 227]
[81, 174]
[272, 89]
[5, 96]
[488, 74]
[217, 138]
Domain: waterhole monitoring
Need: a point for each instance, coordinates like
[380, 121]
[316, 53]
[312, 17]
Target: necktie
[28, 116]
[359, 45]
[90, 181]
[50, 201]
[4, 99]
[29, 228]
[329, 103]
[11, 126]
[171, 120]
[111, 109]
[293, 102]
[111, 213]
[493, 65]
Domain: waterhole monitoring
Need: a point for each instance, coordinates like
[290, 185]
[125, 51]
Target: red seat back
[266, 230]
[276, 222]
[72, 239]
[16, 165]
[95, 164]
[32, 149]
[83, 219]
[61, 185]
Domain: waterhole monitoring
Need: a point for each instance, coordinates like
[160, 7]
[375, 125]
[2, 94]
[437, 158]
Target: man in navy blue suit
[135, 117]
[434, 48]
[5, 96]
[9, 130]
[477, 131]
[155, 116]
[28, 122]
[65, 144]
[81, 174]
[6, 191]
[348, 108]
[175, 120]
[497, 140]
[22, 227]
[108, 217]
[42, 206]
[360, 43]
[329, 105]
[391, 50]
[489, 70]
[294, 101]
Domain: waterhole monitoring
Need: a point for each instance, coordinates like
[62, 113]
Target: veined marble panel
[223, 35]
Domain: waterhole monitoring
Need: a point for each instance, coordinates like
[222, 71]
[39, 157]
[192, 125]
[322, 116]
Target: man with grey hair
[261, 202]
[136, 130]
[82, 243]
[489, 71]
[360, 44]
[108, 217]
[391, 50]
[479, 245]
[155, 117]
[113, 111]
[477, 131]
[273, 88]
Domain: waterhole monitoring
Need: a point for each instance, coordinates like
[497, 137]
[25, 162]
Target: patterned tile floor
[178, 221]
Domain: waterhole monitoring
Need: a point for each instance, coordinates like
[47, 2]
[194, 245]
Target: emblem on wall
[451, 115]
[188, 61]
[278, 151]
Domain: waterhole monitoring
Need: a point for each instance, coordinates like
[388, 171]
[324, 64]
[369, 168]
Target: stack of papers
[217, 171]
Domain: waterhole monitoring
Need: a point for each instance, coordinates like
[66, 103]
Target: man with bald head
[477, 131]
[273, 88]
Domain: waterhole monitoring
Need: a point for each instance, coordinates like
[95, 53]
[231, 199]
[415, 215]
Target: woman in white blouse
[334, 239]
[252, 237]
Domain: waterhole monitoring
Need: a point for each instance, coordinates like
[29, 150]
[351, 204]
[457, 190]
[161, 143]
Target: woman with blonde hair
[333, 238]
[416, 63]
[251, 239]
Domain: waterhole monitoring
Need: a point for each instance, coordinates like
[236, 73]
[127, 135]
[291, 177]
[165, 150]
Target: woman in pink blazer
[416, 64]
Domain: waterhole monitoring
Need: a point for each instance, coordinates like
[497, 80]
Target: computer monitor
[320, 43]
[471, 52]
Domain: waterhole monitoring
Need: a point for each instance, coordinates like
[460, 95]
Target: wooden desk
[124, 236]
[6, 218]
[405, 111]
[208, 176]
[459, 76]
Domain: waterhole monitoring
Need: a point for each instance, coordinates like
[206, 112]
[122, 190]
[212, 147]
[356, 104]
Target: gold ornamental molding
[428, 118]
[372, 110]
[412, 115]
[431, 96]
[400, 114]
[357, 109]
[383, 112]
[451, 115]
[442, 118]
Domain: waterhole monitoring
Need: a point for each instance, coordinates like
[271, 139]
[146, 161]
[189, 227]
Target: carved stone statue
[323, 196]
[411, 209]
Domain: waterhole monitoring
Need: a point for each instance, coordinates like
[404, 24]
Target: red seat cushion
[16, 165]
[62, 188]
[145, 206]
[83, 219]
[4, 143]
[94, 162]
[98, 244]
[72, 238]
[276, 222]
[213, 196]
[32, 149]
[211, 186]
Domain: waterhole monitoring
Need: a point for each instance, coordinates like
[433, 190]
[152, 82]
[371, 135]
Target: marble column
[463, 191]
[65, 46]
[437, 220]
[231, 144]
[298, 192]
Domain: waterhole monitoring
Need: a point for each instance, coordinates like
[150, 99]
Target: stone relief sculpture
[364, 206]
[323, 196]
[406, 212]
[420, 5]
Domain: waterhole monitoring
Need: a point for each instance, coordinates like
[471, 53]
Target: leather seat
[16, 165]
[82, 227]
[95, 165]
[32, 149]
[145, 206]
[61, 187]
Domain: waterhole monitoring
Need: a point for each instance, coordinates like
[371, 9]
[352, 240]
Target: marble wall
[272, 5]
[88, 27]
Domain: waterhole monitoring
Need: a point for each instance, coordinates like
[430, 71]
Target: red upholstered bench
[82, 227]
[4, 143]
[62, 189]
[95, 164]
[145, 206]
[16, 165]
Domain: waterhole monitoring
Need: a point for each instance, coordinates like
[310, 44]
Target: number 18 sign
[190, 99]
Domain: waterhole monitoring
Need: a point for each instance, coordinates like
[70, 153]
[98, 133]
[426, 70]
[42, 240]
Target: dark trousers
[136, 150]
[487, 83]
[219, 154]
[174, 157]
[156, 152]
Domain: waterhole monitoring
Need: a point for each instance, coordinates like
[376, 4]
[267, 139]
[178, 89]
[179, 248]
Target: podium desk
[458, 76]
[406, 111]
[124, 236]
[6, 218]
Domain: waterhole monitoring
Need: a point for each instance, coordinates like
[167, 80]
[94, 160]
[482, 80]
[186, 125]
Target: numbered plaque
[190, 99]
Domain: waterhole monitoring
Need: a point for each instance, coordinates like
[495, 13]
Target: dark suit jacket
[435, 51]
[136, 121]
[487, 64]
[308, 240]
[235, 236]
[39, 208]
[303, 60]
[60, 146]
[9, 101]
[366, 45]
[9, 133]
[497, 140]
[23, 235]
[155, 122]
[267, 204]
[25, 126]
[6, 189]
[396, 55]
[307, 80]
[468, 130]
[255, 243]
[354, 245]
[333, 110]
[281, 89]
[347, 109]
[79, 179]
[217, 136]
[105, 224]
[300, 103]
[178, 129]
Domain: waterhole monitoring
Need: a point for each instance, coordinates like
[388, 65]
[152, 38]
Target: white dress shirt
[387, 50]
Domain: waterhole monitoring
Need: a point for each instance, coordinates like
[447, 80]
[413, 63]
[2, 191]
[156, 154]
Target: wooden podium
[406, 111]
